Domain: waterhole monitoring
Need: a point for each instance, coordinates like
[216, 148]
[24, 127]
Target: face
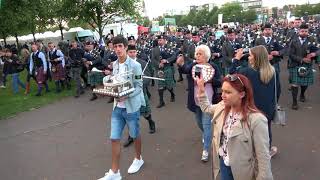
[230, 95]
[251, 58]
[110, 45]
[8, 54]
[51, 46]
[132, 42]
[267, 31]
[212, 38]
[200, 56]
[132, 54]
[297, 23]
[34, 48]
[231, 36]
[161, 42]
[120, 49]
[88, 47]
[195, 39]
[303, 33]
[74, 45]
[189, 36]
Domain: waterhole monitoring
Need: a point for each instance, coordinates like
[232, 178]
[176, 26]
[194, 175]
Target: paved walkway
[67, 140]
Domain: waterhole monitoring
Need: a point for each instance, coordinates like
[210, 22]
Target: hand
[161, 65]
[110, 66]
[107, 72]
[180, 61]
[163, 61]
[270, 57]
[215, 54]
[311, 55]
[239, 54]
[121, 99]
[56, 60]
[200, 84]
[44, 72]
[306, 60]
[275, 53]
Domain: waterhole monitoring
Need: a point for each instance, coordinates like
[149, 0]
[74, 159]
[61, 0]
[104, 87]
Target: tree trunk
[5, 40]
[17, 41]
[61, 30]
[34, 36]
[100, 32]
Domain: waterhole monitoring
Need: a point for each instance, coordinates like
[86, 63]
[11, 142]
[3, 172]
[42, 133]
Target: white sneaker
[205, 156]
[2, 87]
[111, 176]
[136, 165]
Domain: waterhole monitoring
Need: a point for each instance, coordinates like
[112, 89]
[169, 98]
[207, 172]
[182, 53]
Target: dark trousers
[76, 75]
[225, 171]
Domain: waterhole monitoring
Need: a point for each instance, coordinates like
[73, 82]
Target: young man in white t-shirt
[126, 110]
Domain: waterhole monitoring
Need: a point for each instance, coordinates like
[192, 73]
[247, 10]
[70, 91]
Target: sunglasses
[233, 77]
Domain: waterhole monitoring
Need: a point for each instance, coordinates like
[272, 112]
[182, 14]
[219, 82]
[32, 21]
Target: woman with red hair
[240, 132]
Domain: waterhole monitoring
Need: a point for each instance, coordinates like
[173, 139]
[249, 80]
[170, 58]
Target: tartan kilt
[145, 110]
[169, 81]
[95, 78]
[59, 72]
[40, 76]
[294, 77]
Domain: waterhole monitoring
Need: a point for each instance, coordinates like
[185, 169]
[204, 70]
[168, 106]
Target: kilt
[294, 77]
[95, 78]
[145, 110]
[58, 72]
[40, 76]
[169, 81]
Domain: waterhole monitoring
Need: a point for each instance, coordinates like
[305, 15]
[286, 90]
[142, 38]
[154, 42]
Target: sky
[156, 8]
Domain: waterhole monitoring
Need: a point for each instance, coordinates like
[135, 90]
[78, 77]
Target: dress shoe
[128, 142]
[161, 105]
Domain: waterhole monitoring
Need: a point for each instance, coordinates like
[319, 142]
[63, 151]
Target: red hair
[247, 102]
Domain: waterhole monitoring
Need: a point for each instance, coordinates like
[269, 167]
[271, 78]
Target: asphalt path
[68, 140]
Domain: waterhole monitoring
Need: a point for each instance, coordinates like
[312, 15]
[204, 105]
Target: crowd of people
[228, 79]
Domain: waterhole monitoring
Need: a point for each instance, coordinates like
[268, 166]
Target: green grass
[11, 104]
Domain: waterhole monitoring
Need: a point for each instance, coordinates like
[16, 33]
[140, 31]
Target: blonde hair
[25, 52]
[262, 64]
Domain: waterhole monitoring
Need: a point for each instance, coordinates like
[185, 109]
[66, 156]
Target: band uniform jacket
[298, 51]
[228, 52]
[273, 45]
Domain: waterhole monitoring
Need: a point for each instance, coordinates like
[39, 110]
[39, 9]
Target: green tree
[60, 13]
[249, 16]
[201, 17]
[231, 12]
[99, 13]
[213, 16]
[4, 24]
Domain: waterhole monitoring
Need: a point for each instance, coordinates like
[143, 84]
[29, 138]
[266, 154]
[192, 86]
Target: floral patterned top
[231, 119]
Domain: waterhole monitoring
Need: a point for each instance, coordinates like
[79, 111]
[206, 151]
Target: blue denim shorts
[119, 119]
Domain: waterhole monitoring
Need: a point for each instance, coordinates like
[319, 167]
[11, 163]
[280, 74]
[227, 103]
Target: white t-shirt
[122, 69]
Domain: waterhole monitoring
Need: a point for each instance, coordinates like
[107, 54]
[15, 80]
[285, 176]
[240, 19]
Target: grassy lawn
[11, 104]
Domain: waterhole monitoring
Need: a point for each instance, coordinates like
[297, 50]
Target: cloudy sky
[158, 7]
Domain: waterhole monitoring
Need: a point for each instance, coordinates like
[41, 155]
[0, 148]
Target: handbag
[280, 114]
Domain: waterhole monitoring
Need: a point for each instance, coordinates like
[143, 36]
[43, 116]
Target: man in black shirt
[75, 56]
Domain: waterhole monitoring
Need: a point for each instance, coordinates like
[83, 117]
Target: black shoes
[94, 97]
[295, 106]
[180, 80]
[152, 126]
[302, 99]
[128, 142]
[162, 104]
[173, 99]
